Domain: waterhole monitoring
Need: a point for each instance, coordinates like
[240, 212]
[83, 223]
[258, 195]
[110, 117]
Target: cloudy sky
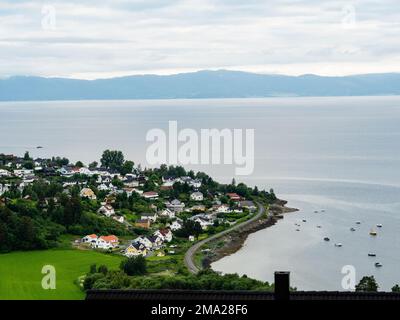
[103, 38]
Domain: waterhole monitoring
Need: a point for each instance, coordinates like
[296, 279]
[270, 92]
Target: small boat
[373, 233]
[379, 225]
[378, 264]
[304, 220]
[352, 229]
[315, 211]
[338, 244]
[371, 255]
[322, 210]
[318, 226]
[326, 239]
[358, 222]
[39, 147]
[297, 229]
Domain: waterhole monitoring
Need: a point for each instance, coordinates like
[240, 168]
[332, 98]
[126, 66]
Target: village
[159, 210]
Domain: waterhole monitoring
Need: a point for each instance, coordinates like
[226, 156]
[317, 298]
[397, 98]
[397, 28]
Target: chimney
[282, 285]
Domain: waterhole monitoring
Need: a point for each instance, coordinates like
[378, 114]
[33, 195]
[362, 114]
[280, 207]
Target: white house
[196, 183]
[3, 188]
[175, 205]
[223, 208]
[191, 238]
[91, 238]
[23, 172]
[107, 210]
[131, 182]
[176, 225]
[150, 242]
[4, 173]
[156, 241]
[197, 196]
[103, 187]
[164, 234]
[85, 171]
[145, 241]
[168, 183]
[119, 219]
[167, 213]
[106, 242]
[149, 216]
[204, 223]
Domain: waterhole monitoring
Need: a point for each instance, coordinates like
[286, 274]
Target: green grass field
[21, 277]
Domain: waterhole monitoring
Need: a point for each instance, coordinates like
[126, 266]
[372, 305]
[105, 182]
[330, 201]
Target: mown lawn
[21, 277]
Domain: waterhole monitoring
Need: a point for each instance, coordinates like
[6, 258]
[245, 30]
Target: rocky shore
[234, 241]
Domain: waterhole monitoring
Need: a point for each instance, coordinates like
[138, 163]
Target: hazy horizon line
[192, 72]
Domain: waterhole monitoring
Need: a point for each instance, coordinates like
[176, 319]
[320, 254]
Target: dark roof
[193, 295]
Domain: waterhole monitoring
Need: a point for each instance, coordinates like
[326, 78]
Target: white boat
[379, 225]
[373, 232]
[378, 264]
[338, 244]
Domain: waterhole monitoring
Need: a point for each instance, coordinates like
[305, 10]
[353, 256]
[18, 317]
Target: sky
[91, 39]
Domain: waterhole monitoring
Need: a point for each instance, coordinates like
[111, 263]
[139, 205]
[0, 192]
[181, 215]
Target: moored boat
[371, 255]
[373, 232]
[378, 264]
[338, 244]
[326, 239]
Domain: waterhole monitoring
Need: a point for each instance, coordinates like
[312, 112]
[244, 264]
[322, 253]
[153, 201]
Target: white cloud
[108, 38]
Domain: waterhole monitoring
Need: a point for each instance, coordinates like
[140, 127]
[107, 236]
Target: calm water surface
[337, 154]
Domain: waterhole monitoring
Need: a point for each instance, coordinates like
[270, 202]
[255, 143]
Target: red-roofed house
[91, 238]
[106, 242]
[233, 196]
[150, 195]
[164, 234]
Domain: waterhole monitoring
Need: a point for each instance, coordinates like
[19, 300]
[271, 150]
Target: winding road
[192, 250]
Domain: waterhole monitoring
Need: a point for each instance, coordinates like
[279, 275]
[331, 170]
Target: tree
[79, 164]
[103, 269]
[26, 156]
[396, 288]
[72, 211]
[190, 228]
[367, 284]
[127, 167]
[93, 268]
[93, 165]
[134, 266]
[112, 159]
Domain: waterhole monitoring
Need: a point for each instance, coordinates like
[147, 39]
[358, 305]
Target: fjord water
[340, 155]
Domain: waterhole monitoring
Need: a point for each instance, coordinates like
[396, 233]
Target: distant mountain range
[201, 84]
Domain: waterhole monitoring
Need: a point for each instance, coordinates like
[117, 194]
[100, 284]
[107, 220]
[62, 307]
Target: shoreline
[233, 242]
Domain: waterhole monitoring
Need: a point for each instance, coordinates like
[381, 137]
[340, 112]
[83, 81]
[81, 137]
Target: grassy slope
[20, 272]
